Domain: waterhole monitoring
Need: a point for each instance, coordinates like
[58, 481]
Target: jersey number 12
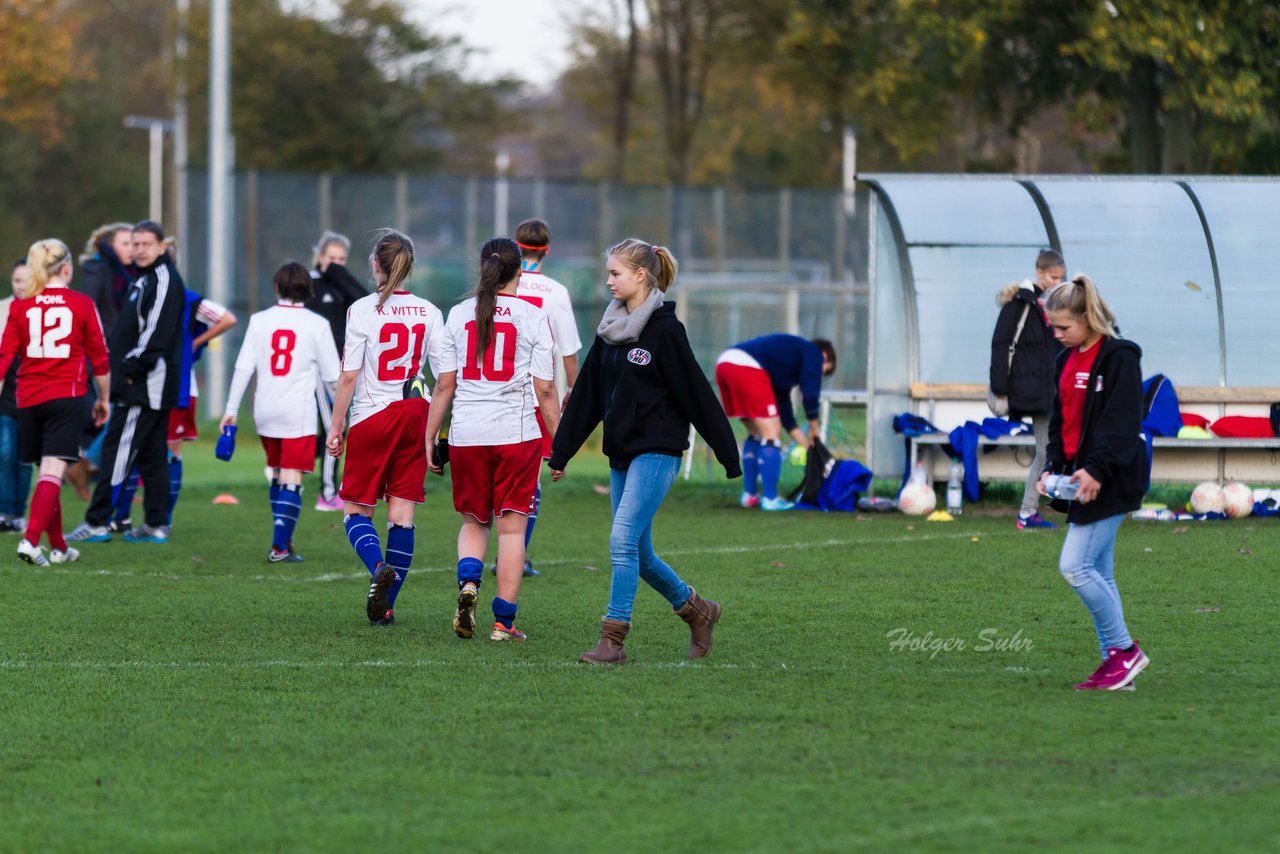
[49, 329]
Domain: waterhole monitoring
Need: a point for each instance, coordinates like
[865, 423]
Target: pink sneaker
[1120, 668]
[334, 503]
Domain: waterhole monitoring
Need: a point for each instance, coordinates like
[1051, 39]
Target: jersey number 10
[491, 367]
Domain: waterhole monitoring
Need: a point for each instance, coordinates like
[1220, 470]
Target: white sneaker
[775, 504]
[31, 554]
[69, 556]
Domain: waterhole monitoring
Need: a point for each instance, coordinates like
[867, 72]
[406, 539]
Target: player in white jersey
[533, 236]
[497, 371]
[390, 334]
[291, 350]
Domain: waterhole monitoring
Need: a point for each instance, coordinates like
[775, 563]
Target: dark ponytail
[499, 264]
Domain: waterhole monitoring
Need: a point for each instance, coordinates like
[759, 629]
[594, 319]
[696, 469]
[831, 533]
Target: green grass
[192, 697]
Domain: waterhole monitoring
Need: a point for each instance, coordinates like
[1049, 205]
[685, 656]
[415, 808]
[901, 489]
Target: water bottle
[918, 475]
[1061, 486]
[955, 488]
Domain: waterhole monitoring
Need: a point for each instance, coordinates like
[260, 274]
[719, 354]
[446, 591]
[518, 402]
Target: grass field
[192, 697]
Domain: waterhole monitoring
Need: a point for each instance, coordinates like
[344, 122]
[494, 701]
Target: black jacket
[146, 342]
[332, 293]
[1111, 444]
[106, 281]
[647, 394]
[1029, 383]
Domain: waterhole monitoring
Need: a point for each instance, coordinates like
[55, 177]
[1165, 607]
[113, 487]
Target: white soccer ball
[1207, 498]
[1238, 500]
[917, 499]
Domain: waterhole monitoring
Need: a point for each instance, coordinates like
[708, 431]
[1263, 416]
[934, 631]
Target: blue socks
[364, 539]
[470, 569]
[286, 507]
[124, 498]
[504, 612]
[770, 467]
[399, 556]
[751, 465]
[175, 482]
[533, 516]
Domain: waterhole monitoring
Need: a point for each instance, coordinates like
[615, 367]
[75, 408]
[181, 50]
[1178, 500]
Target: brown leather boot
[609, 650]
[701, 615]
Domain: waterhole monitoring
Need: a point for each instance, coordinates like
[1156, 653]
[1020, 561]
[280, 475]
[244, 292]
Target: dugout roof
[1186, 264]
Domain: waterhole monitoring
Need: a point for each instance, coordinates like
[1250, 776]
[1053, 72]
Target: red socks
[46, 513]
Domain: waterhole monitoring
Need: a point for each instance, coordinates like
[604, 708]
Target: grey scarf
[618, 326]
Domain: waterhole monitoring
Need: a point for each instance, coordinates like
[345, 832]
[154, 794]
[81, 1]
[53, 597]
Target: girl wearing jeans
[641, 379]
[1094, 435]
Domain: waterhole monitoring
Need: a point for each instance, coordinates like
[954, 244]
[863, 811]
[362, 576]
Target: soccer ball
[917, 499]
[1238, 500]
[1208, 498]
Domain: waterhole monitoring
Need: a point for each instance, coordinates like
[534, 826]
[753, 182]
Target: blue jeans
[15, 476]
[636, 493]
[1088, 564]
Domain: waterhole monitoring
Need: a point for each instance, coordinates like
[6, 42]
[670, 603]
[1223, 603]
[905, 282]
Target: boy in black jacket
[1095, 437]
[146, 372]
[641, 379]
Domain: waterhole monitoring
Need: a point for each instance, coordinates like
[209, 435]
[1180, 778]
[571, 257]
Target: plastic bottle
[955, 488]
[918, 475]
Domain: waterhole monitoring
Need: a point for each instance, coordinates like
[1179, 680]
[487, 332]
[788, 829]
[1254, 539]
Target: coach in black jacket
[146, 371]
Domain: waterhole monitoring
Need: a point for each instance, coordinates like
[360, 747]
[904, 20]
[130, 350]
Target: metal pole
[219, 133]
[180, 132]
[501, 192]
[849, 168]
[155, 206]
[325, 191]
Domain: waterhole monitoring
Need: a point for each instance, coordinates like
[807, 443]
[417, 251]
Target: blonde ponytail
[394, 254]
[657, 261]
[45, 258]
[1083, 301]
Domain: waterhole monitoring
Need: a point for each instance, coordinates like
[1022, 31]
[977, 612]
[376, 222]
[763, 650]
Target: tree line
[673, 92]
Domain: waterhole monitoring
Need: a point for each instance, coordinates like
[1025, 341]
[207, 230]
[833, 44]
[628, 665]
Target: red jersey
[1072, 388]
[54, 333]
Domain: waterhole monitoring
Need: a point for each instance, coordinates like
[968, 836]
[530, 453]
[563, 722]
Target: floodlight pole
[849, 168]
[180, 129]
[219, 159]
[156, 128]
[501, 192]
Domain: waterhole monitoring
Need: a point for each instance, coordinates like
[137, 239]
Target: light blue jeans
[1088, 564]
[15, 476]
[636, 493]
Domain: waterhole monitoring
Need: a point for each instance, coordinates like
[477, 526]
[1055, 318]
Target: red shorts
[544, 444]
[387, 455]
[298, 454]
[489, 480]
[746, 392]
[182, 423]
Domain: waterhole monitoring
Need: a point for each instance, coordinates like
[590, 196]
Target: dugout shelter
[1186, 263]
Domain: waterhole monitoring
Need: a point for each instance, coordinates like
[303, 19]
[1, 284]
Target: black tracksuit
[647, 394]
[332, 293]
[146, 371]
[1029, 382]
[1111, 445]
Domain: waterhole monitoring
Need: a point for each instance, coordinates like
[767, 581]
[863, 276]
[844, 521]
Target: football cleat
[147, 534]
[529, 571]
[774, 505]
[119, 526]
[86, 533]
[748, 500]
[502, 633]
[376, 606]
[464, 615]
[32, 554]
[387, 620]
[330, 504]
[286, 556]
[67, 555]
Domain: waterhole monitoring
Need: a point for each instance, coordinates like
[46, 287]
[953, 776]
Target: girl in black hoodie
[641, 379]
[1095, 437]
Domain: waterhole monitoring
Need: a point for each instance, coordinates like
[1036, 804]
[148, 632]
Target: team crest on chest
[639, 357]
